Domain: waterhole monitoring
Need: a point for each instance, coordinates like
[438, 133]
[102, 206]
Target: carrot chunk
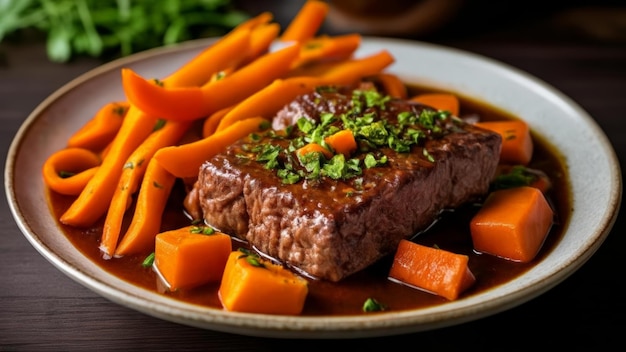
[188, 257]
[517, 143]
[252, 284]
[440, 101]
[306, 22]
[435, 270]
[342, 142]
[512, 223]
[314, 148]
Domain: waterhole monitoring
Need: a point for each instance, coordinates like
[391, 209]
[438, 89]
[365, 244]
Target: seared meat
[328, 227]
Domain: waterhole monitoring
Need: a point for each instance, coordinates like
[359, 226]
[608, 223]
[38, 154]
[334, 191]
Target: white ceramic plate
[595, 176]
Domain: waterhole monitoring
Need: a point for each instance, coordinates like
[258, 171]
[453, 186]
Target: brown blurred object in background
[398, 18]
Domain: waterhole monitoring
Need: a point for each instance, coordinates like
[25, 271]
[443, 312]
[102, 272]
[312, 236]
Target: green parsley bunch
[115, 27]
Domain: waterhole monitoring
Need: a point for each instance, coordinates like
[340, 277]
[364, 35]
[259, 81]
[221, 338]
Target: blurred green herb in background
[113, 28]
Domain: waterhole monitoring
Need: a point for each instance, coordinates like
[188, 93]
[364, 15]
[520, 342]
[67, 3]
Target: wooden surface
[42, 309]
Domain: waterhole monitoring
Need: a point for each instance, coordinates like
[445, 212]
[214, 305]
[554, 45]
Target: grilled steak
[332, 221]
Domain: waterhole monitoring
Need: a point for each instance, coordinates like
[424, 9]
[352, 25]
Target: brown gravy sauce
[451, 232]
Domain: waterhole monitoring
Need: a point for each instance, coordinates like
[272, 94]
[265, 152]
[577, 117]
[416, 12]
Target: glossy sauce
[451, 232]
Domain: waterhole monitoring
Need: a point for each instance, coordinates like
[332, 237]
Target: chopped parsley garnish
[372, 131]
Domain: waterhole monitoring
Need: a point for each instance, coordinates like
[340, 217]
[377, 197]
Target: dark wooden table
[42, 309]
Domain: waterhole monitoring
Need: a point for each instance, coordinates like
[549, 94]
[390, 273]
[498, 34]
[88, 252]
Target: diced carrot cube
[517, 143]
[512, 223]
[435, 270]
[186, 259]
[252, 284]
[440, 101]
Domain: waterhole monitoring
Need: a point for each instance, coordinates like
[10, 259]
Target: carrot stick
[342, 142]
[92, 202]
[68, 170]
[306, 22]
[191, 103]
[326, 48]
[261, 39]
[255, 285]
[133, 171]
[431, 269]
[391, 84]
[512, 223]
[187, 257]
[517, 143]
[210, 123]
[440, 101]
[349, 71]
[154, 192]
[185, 160]
[98, 132]
[223, 53]
[267, 101]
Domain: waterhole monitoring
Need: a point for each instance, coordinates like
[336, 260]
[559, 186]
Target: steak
[330, 226]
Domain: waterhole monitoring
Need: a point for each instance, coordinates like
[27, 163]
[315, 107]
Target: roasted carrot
[261, 39]
[209, 126]
[512, 223]
[133, 171]
[226, 52]
[185, 160]
[342, 142]
[92, 203]
[440, 101]
[391, 84]
[68, 170]
[154, 192]
[349, 71]
[517, 143]
[314, 148]
[191, 103]
[431, 269]
[191, 256]
[255, 285]
[100, 130]
[327, 48]
[306, 22]
[269, 99]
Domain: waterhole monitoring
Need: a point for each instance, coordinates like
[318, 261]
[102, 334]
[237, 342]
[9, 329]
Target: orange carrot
[154, 192]
[226, 52]
[92, 202]
[210, 123]
[185, 160]
[440, 101]
[133, 171]
[517, 143]
[431, 269]
[261, 39]
[512, 223]
[391, 84]
[191, 103]
[98, 132]
[255, 285]
[267, 101]
[68, 170]
[342, 142]
[314, 148]
[191, 256]
[349, 71]
[327, 48]
[306, 22]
